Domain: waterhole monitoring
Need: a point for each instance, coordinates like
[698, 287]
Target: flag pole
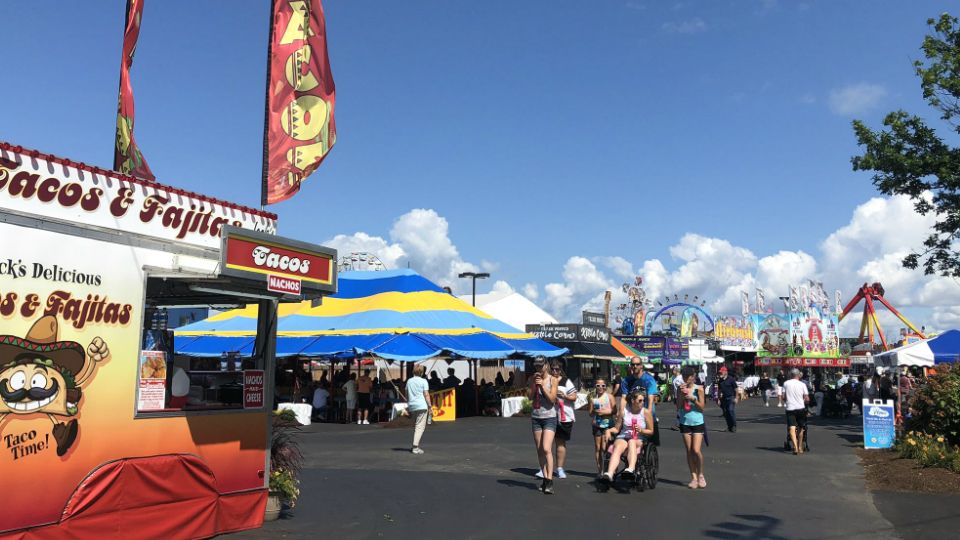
[266, 112]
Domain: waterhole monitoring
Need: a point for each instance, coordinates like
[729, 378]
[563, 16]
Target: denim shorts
[545, 424]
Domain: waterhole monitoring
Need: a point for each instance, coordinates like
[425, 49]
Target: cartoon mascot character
[41, 375]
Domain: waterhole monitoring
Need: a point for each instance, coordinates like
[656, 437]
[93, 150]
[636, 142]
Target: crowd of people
[622, 412]
[623, 420]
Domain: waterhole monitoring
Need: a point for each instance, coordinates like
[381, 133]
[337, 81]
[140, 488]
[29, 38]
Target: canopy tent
[512, 308]
[396, 314]
[936, 350]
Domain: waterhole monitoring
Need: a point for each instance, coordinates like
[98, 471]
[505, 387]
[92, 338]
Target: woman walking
[543, 394]
[418, 404]
[602, 417]
[690, 402]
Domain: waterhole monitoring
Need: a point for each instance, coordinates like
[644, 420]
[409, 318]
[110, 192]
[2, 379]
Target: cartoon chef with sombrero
[41, 375]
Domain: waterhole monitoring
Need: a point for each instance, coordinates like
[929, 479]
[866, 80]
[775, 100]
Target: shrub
[526, 407]
[936, 405]
[929, 450]
[286, 459]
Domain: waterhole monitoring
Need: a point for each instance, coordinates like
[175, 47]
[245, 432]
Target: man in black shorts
[796, 398]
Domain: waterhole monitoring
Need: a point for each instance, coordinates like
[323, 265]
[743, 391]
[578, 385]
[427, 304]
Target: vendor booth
[393, 315]
[92, 412]
[590, 351]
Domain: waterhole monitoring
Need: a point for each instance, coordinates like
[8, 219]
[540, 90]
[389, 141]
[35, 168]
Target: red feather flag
[300, 127]
[126, 154]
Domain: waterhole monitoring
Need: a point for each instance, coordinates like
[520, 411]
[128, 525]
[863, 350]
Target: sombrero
[41, 341]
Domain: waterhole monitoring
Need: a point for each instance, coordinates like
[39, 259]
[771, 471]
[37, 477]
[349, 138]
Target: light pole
[474, 277]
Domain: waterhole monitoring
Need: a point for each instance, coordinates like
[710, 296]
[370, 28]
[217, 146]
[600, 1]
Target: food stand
[90, 421]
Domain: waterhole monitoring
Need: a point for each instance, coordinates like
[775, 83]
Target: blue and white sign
[878, 423]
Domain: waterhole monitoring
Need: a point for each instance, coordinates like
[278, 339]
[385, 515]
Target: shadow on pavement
[746, 527]
[517, 483]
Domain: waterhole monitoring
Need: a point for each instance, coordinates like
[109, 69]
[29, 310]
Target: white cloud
[362, 242]
[856, 98]
[502, 287]
[869, 248]
[531, 291]
[421, 239]
[690, 26]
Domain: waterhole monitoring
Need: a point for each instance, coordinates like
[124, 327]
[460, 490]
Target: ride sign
[878, 423]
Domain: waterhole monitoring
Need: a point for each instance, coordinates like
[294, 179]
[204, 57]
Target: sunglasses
[636, 365]
[600, 386]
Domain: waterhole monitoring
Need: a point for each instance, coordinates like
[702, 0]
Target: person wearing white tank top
[632, 429]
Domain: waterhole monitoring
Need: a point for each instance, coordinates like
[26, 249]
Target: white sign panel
[46, 186]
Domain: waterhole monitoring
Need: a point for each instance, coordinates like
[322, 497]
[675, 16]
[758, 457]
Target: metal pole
[474, 301]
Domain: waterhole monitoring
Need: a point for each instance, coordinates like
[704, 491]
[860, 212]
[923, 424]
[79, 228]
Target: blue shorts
[545, 424]
[627, 435]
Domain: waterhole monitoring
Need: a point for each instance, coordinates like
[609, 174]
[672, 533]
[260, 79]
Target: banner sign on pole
[300, 128]
[126, 154]
[444, 405]
[878, 423]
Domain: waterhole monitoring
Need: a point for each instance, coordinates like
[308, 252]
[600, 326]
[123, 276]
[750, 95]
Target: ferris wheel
[360, 260]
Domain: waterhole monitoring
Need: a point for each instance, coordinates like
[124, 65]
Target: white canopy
[925, 353]
[512, 308]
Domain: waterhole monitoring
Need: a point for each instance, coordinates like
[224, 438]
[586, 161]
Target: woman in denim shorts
[543, 395]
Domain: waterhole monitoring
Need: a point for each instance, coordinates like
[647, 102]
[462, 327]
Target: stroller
[788, 444]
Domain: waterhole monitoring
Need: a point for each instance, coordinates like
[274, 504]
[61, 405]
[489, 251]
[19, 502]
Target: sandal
[693, 484]
[701, 482]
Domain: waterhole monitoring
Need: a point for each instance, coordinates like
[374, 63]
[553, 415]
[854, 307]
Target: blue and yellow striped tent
[396, 314]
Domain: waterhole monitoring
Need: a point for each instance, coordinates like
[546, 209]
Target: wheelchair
[647, 469]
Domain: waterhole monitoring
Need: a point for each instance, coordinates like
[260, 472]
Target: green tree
[909, 158]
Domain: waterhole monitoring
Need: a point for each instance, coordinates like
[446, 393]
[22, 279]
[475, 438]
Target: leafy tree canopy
[908, 158]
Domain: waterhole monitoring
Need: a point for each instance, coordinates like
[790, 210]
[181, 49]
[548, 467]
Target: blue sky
[540, 131]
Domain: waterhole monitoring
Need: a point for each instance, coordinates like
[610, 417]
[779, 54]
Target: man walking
[418, 405]
[728, 399]
[796, 396]
[364, 388]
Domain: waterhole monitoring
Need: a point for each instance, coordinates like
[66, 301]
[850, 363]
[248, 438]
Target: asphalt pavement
[476, 481]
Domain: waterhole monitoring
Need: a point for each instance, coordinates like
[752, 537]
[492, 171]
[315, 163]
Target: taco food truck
[103, 430]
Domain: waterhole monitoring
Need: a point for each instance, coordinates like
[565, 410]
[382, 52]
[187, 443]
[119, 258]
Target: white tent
[512, 308]
[700, 353]
[936, 350]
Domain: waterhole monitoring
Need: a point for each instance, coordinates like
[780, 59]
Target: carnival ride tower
[869, 293]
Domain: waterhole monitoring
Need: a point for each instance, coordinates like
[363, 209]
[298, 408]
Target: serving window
[172, 383]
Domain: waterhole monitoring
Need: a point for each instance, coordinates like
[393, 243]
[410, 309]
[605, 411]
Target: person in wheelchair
[632, 430]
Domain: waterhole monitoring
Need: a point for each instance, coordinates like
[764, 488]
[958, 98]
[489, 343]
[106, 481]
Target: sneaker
[366, 422]
[606, 479]
[766, 404]
[561, 473]
[416, 450]
[548, 487]
[539, 474]
[359, 422]
[627, 474]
